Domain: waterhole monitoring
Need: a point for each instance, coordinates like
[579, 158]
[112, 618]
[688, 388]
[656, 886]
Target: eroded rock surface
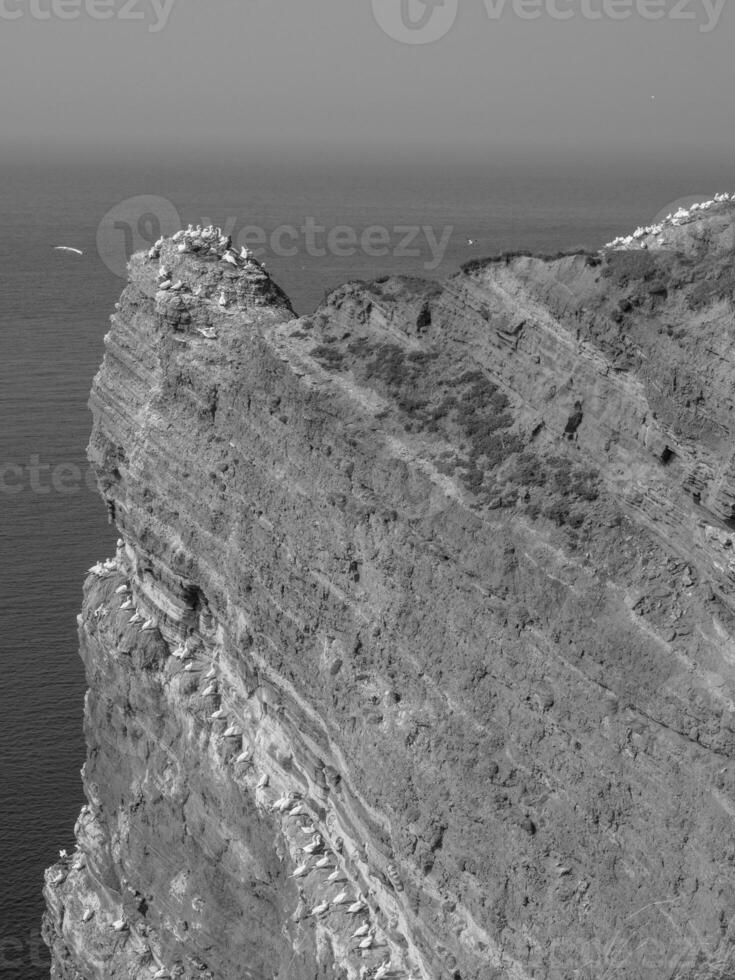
[438, 583]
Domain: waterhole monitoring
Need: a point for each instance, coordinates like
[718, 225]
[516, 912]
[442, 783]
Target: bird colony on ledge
[681, 217]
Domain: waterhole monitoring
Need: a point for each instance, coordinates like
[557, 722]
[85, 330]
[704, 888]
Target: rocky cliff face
[416, 657]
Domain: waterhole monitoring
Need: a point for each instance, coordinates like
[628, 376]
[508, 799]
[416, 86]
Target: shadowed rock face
[450, 566]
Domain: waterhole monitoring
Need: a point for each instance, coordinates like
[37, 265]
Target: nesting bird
[301, 871]
[336, 875]
[149, 624]
[361, 931]
[222, 299]
[320, 909]
[323, 862]
[122, 588]
[284, 803]
[243, 757]
[341, 899]
[367, 942]
[219, 713]
[262, 782]
[87, 915]
[357, 906]
[207, 332]
[120, 926]
[211, 689]
[230, 257]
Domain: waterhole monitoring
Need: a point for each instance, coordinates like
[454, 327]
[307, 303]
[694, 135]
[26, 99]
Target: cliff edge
[416, 656]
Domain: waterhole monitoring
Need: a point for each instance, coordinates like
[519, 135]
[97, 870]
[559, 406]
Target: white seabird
[320, 909]
[362, 930]
[262, 782]
[122, 588]
[120, 926]
[323, 862]
[190, 667]
[210, 674]
[243, 757]
[218, 714]
[128, 604]
[230, 257]
[149, 624]
[357, 906]
[341, 899]
[382, 971]
[297, 810]
[336, 875]
[211, 689]
[137, 618]
[87, 915]
[233, 732]
[367, 942]
[301, 871]
[68, 248]
[222, 299]
[207, 332]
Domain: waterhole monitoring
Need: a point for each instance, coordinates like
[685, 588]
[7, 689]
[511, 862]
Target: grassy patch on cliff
[467, 409]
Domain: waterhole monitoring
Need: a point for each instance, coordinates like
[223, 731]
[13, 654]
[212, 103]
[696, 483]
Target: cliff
[420, 624]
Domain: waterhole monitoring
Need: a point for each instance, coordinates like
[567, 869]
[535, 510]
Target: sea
[316, 224]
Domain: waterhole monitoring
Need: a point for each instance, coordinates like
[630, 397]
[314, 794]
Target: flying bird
[68, 248]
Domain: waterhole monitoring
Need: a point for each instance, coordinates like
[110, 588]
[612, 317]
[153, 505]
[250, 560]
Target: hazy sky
[317, 74]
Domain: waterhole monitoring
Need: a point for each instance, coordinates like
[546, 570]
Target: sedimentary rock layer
[437, 583]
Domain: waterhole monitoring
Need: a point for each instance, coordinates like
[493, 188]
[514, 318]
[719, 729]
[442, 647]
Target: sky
[369, 77]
